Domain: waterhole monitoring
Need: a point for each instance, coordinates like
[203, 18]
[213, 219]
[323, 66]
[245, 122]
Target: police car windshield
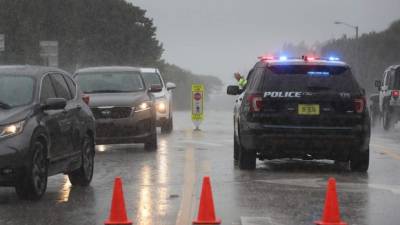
[309, 78]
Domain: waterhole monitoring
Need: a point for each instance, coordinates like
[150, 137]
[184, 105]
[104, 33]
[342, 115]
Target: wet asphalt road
[162, 187]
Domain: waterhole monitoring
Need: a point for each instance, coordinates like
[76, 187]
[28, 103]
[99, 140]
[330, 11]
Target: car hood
[13, 115]
[116, 99]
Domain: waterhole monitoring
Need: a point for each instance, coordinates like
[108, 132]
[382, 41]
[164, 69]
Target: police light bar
[308, 58]
[266, 57]
[332, 58]
[283, 58]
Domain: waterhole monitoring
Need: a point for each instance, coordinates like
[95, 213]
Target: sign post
[2, 47]
[49, 53]
[2, 43]
[197, 105]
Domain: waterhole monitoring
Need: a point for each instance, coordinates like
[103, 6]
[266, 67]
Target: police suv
[306, 108]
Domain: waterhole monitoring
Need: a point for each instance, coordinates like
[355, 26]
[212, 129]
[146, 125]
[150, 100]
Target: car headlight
[161, 106]
[11, 129]
[143, 106]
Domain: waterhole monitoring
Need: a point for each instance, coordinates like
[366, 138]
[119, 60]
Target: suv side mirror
[55, 103]
[170, 86]
[155, 88]
[233, 90]
[378, 84]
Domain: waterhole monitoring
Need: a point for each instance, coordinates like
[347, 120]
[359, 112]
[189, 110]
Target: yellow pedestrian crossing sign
[197, 104]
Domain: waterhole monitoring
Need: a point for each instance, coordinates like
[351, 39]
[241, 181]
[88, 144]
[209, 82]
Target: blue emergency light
[332, 58]
[283, 58]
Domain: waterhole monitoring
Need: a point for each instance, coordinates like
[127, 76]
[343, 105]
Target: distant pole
[356, 28]
[2, 48]
[348, 25]
[357, 32]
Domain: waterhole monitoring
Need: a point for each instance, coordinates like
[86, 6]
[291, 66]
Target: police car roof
[320, 62]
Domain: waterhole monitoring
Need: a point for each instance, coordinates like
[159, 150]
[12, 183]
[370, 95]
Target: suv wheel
[83, 176]
[33, 184]
[247, 159]
[359, 161]
[151, 141]
[168, 126]
[236, 148]
[387, 121]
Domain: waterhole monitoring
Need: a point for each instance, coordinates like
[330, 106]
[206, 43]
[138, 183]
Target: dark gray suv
[46, 128]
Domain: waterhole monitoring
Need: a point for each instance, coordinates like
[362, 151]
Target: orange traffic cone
[331, 214]
[118, 212]
[206, 213]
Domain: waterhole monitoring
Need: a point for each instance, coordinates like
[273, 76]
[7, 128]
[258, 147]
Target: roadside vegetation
[90, 33]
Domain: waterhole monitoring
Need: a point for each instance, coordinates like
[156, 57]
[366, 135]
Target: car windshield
[110, 82]
[15, 90]
[309, 78]
[151, 79]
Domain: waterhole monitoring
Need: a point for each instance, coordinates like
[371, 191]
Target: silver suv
[389, 93]
[152, 76]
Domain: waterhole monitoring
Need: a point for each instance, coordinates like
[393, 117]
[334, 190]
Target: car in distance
[389, 92]
[45, 129]
[303, 108]
[153, 76]
[123, 107]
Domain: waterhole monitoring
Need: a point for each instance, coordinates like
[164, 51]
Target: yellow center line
[188, 194]
[387, 151]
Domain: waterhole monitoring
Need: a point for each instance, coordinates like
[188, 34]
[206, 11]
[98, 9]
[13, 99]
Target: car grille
[112, 113]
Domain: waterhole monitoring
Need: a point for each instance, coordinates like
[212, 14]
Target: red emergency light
[266, 57]
[395, 93]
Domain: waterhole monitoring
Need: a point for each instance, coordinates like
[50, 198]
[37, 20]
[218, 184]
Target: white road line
[258, 221]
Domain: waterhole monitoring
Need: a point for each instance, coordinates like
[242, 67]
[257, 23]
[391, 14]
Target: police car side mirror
[233, 90]
[378, 84]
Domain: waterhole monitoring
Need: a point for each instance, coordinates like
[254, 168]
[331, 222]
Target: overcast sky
[218, 37]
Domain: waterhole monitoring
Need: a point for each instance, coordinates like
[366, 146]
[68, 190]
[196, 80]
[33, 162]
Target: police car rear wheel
[247, 159]
[359, 162]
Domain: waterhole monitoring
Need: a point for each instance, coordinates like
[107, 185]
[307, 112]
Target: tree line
[89, 33]
[369, 55]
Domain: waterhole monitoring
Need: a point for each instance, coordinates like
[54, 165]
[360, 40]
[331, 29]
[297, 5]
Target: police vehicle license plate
[308, 109]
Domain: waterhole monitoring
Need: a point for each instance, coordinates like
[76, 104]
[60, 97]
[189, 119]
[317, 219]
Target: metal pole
[356, 32]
